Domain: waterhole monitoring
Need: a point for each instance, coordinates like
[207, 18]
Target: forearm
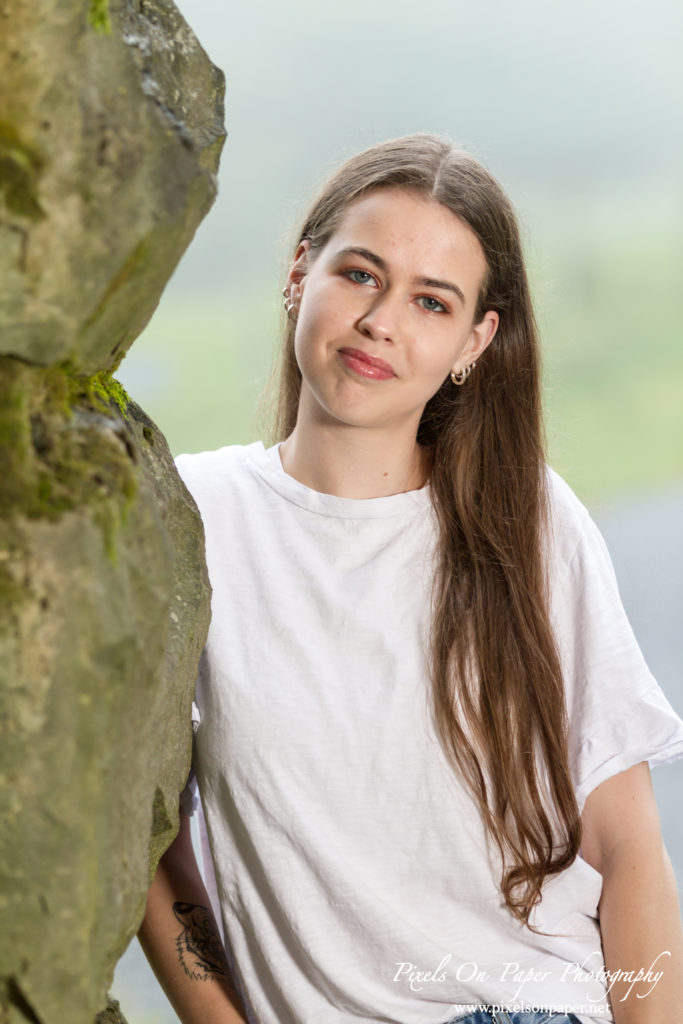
[641, 934]
[182, 943]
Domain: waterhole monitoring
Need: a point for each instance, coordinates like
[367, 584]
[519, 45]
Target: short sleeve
[189, 798]
[618, 715]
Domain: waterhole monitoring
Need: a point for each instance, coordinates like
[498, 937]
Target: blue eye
[359, 276]
[432, 304]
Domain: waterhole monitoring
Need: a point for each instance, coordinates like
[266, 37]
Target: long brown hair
[498, 694]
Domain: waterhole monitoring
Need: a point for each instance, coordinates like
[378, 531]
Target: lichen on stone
[109, 388]
[99, 16]
[61, 445]
[20, 169]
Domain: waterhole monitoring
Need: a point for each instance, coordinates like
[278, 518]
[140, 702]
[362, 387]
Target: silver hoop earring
[460, 376]
[289, 305]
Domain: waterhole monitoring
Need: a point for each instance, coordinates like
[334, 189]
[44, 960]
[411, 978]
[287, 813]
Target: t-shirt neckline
[268, 465]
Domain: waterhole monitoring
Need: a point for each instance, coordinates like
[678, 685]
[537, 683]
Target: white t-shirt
[352, 869]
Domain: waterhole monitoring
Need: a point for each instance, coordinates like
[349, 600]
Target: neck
[352, 462]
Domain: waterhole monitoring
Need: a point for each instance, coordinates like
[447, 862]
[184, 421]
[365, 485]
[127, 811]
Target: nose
[381, 320]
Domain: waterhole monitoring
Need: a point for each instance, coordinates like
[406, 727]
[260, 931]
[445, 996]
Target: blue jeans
[485, 1016]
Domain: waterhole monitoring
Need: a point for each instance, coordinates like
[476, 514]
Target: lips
[365, 365]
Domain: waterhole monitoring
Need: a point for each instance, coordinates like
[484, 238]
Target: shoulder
[569, 523]
[566, 509]
[576, 544]
[212, 477]
[198, 467]
[197, 464]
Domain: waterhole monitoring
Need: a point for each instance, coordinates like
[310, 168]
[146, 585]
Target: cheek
[301, 347]
[303, 332]
[320, 325]
[438, 358]
[309, 346]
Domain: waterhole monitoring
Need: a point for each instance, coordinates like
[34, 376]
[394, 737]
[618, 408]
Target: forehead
[410, 231]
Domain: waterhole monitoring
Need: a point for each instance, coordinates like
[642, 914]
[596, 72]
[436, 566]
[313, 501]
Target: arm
[639, 916]
[181, 940]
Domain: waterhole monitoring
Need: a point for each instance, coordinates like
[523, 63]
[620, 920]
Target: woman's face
[386, 310]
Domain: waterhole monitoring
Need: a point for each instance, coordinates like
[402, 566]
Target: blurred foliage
[611, 312]
[201, 365]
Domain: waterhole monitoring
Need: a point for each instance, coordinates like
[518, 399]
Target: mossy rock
[105, 608]
[110, 135]
[111, 1014]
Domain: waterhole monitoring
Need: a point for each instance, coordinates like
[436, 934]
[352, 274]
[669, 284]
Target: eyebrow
[427, 282]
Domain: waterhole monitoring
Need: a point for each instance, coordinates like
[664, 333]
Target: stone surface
[110, 135]
[111, 1015]
[105, 606]
[111, 127]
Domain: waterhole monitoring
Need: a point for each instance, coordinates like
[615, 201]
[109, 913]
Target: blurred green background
[577, 108]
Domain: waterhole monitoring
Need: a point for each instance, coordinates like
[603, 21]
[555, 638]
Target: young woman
[423, 721]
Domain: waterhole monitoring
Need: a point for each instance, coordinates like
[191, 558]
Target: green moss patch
[64, 444]
[107, 389]
[98, 16]
[20, 171]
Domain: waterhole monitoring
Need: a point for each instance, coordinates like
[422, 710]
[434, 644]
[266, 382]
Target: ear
[298, 269]
[481, 336]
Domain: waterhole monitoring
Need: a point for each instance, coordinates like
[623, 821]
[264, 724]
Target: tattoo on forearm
[199, 945]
